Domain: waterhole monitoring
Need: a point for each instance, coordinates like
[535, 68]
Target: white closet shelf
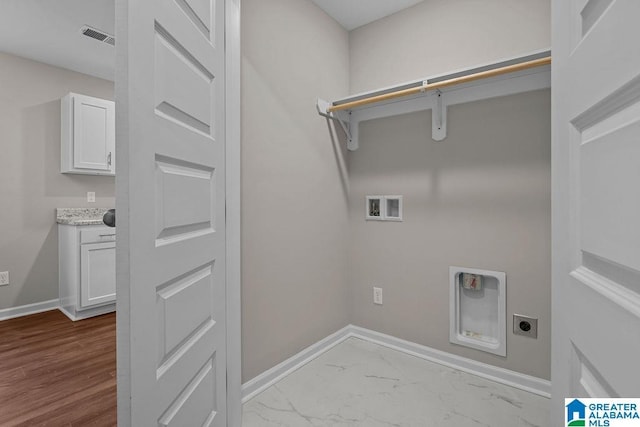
[514, 75]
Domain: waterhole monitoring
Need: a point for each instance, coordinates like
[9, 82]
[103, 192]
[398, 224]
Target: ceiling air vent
[98, 35]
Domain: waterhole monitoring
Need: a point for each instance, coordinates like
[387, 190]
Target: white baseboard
[507, 377]
[514, 379]
[268, 378]
[25, 310]
[91, 312]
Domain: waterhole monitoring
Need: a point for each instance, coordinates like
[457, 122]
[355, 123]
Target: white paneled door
[596, 200]
[170, 108]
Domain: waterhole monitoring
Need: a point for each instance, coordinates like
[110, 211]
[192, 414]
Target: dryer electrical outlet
[525, 325]
[4, 278]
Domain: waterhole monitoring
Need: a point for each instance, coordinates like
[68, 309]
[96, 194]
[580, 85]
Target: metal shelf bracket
[342, 117]
[439, 117]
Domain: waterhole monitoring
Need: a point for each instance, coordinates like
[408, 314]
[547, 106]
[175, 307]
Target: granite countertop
[80, 216]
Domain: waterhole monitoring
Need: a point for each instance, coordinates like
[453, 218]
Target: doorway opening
[57, 356]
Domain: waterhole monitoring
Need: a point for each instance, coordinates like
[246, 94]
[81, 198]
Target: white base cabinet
[87, 270]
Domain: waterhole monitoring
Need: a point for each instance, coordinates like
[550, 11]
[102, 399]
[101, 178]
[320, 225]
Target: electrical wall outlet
[4, 278]
[377, 295]
[91, 196]
[525, 325]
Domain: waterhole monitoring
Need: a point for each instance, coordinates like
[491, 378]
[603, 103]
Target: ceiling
[352, 14]
[49, 30]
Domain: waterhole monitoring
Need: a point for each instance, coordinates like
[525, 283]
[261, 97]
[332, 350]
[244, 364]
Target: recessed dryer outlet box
[525, 325]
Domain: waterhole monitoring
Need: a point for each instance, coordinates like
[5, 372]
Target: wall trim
[233, 252]
[89, 312]
[25, 310]
[504, 376]
[270, 377]
[507, 377]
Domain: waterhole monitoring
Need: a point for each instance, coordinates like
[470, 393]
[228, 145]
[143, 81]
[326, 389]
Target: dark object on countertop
[109, 218]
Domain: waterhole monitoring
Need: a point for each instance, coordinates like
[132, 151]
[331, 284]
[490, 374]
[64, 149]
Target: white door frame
[233, 254]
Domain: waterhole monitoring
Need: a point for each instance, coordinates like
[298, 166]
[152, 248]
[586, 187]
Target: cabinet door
[97, 274]
[93, 133]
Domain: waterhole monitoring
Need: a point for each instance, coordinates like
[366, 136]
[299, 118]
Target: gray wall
[31, 185]
[480, 198]
[294, 184]
[438, 36]
[299, 285]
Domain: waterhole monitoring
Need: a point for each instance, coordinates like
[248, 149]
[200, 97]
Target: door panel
[602, 309]
[93, 133]
[183, 309]
[185, 200]
[173, 213]
[97, 274]
[194, 405]
[189, 105]
[603, 59]
[609, 154]
[596, 204]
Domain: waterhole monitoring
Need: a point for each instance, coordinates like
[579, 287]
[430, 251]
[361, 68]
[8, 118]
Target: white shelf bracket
[342, 117]
[439, 117]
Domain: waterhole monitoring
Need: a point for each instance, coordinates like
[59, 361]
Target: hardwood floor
[55, 372]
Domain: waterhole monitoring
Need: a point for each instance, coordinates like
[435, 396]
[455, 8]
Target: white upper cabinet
[88, 135]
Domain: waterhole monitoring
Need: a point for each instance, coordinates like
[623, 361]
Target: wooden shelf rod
[441, 84]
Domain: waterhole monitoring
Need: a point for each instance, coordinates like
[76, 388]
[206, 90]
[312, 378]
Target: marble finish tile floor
[358, 383]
